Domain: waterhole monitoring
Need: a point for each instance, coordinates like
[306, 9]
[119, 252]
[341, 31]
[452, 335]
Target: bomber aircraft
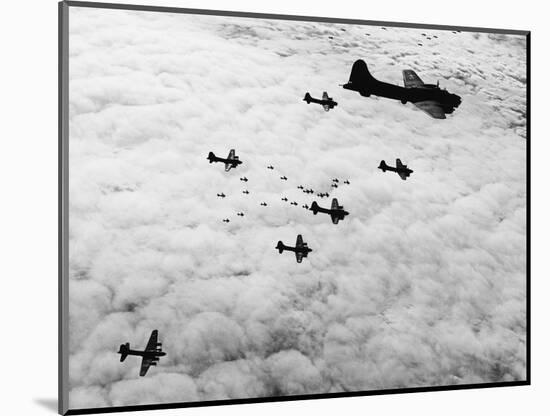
[301, 250]
[231, 161]
[150, 355]
[327, 102]
[429, 98]
[402, 170]
[336, 211]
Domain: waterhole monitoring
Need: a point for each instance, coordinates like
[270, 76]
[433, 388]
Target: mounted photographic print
[263, 208]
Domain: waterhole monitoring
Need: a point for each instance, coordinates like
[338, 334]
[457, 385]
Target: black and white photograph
[263, 208]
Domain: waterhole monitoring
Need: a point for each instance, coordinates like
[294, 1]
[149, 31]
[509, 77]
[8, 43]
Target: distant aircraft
[246, 192]
[402, 170]
[309, 191]
[240, 214]
[222, 195]
[327, 102]
[335, 180]
[336, 211]
[428, 97]
[334, 185]
[263, 204]
[300, 187]
[301, 250]
[231, 161]
[150, 355]
[284, 178]
[293, 203]
[346, 182]
[305, 206]
[270, 167]
[226, 220]
[284, 199]
[244, 179]
[323, 194]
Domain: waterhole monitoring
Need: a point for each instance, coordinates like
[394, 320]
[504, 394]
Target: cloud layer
[422, 284]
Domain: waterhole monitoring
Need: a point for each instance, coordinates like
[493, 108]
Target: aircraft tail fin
[360, 78]
[123, 351]
[307, 98]
[383, 166]
[314, 208]
[211, 157]
[280, 247]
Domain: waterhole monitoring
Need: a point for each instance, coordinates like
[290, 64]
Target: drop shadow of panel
[49, 404]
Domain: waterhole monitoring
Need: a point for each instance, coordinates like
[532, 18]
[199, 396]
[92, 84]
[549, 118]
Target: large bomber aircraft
[301, 250]
[327, 102]
[150, 355]
[231, 161]
[402, 170]
[429, 98]
[336, 211]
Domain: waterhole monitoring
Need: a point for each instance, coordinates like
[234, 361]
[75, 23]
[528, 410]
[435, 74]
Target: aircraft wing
[403, 175]
[433, 108]
[411, 80]
[335, 218]
[152, 344]
[326, 107]
[299, 241]
[299, 257]
[145, 364]
[334, 204]
[398, 163]
[230, 156]
[325, 96]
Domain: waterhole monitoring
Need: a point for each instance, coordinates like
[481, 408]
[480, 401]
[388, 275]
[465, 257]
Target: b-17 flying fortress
[301, 249]
[150, 356]
[231, 161]
[402, 170]
[429, 98]
[327, 102]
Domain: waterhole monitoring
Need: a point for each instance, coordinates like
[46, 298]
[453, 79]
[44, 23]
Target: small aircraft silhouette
[244, 179]
[222, 195]
[246, 192]
[346, 182]
[226, 220]
[300, 187]
[151, 354]
[309, 191]
[305, 206]
[402, 170]
[334, 185]
[270, 167]
[263, 204]
[284, 199]
[231, 161]
[335, 180]
[323, 194]
[336, 211]
[240, 214]
[301, 250]
[429, 98]
[284, 178]
[293, 203]
[327, 102]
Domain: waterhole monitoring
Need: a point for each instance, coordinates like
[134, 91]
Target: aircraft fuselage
[304, 250]
[340, 213]
[147, 354]
[233, 162]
